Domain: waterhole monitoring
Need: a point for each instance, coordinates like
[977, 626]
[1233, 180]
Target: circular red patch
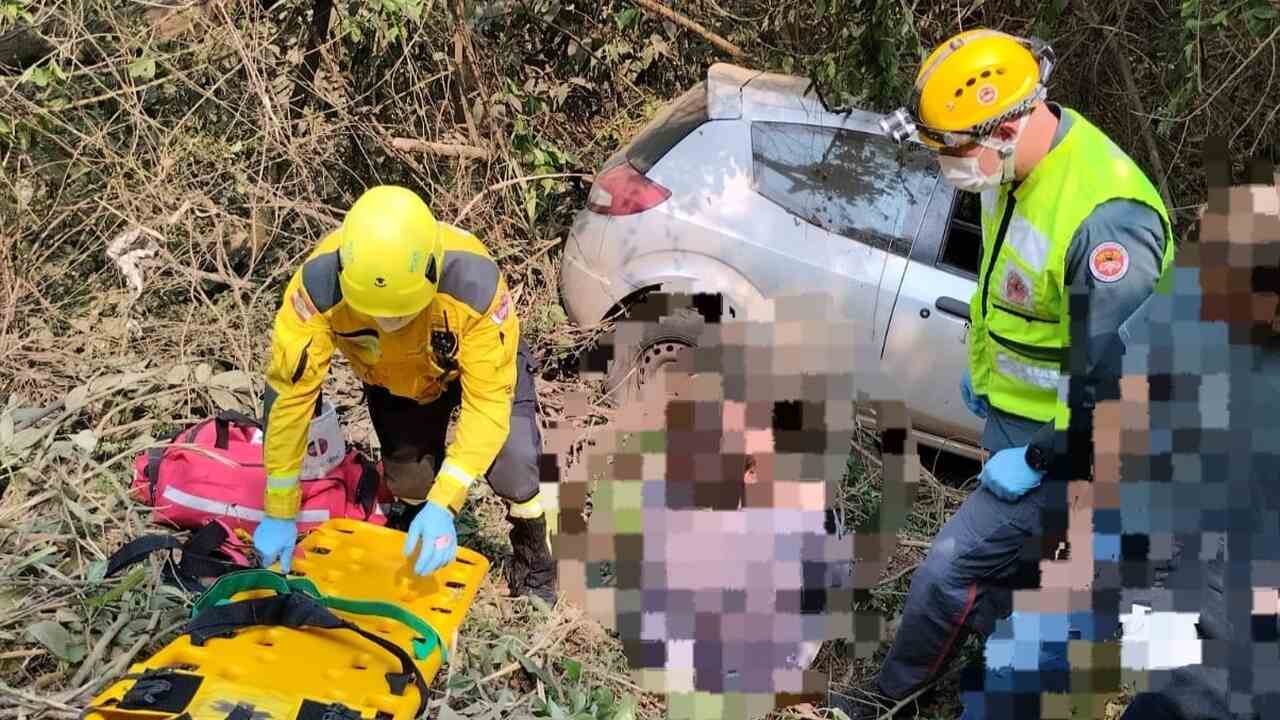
[1109, 262]
[987, 94]
[1015, 289]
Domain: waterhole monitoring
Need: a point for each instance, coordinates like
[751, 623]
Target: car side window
[856, 185]
[784, 165]
[962, 246]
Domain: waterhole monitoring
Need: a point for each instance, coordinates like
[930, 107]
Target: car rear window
[673, 124]
[849, 183]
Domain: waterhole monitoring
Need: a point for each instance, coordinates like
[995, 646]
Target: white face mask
[966, 173]
[393, 324]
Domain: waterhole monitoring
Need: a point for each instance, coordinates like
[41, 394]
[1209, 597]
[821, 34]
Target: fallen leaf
[78, 510]
[203, 373]
[6, 430]
[178, 375]
[85, 440]
[232, 380]
[57, 640]
[77, 398]
[224, 399]
[26, 438]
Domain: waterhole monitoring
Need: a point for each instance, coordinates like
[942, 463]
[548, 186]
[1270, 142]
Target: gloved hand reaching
[1007, 474]
[977, 404]
[274, 539]
[434, 527]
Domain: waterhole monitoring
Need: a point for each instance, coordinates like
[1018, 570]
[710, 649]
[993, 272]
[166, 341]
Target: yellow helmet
[390, 253]
[969, 85]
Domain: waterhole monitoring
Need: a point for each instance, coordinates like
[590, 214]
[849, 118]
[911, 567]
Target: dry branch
[319, 33]
[100, 649]
[1135, 105]
[659, 9]
[465, 152]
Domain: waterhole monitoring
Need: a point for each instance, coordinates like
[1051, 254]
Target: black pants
[412, 436]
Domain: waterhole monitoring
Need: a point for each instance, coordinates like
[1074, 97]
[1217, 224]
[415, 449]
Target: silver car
[747, 185]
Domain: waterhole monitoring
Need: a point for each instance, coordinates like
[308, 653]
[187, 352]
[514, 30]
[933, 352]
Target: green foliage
[536, 154]
[869, 62]
[383, 22]
[572, 698]
[11, 11]
[44, 76]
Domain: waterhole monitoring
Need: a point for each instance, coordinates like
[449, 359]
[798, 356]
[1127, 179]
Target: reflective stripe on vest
[1020, 332]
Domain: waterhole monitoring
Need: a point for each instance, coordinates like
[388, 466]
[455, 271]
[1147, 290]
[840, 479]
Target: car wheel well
[622, 306]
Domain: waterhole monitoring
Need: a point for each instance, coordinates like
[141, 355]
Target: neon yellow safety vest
[1020, 328]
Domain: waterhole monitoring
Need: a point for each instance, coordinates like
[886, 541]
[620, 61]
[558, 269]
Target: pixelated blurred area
[735, 515]
[1195, 455]
[1170, 571]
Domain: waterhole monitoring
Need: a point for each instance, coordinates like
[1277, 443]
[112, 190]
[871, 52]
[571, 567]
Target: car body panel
[718, 232]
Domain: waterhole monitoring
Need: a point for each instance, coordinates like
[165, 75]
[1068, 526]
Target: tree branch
[320, 15]
[658, 9]
[1135, 105]
[467, 152]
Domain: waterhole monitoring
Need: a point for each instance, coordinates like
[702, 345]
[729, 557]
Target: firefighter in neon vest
[1062, 207]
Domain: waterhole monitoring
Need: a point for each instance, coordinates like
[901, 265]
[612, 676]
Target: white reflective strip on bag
[458, 473]
[1046, 378]
[1031, 244]
[218, 507]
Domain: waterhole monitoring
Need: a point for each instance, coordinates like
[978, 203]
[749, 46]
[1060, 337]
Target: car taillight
[621, 190]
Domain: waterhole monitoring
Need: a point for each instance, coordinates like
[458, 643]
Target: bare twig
[100, 649]
[34, 699]
[1135, 104]
[466, 152]
[514, 181]
[894, 577]
[658, 9]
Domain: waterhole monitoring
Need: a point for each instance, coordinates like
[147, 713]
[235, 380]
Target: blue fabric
[275, 539]
[964, 579]
[977, 404]
[432, 523]
[1007, 474]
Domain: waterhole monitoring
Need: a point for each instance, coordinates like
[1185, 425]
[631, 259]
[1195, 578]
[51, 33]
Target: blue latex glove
[274, 540]
[977, 404]
[434, 527]
[1007, 474]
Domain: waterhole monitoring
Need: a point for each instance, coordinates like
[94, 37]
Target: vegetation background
[164, 167]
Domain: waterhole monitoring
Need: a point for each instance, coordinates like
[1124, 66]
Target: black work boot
[532, 570]
[401, 514]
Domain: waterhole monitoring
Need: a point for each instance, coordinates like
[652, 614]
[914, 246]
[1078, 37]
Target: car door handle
[952, 306]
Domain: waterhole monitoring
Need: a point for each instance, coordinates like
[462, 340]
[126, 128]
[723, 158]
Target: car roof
[736, 92]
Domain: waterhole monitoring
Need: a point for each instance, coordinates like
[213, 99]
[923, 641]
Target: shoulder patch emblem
[499, 316]
[303, 306]
[1109, 262]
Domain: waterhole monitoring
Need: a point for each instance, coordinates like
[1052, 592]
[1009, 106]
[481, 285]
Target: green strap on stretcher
[240, 581]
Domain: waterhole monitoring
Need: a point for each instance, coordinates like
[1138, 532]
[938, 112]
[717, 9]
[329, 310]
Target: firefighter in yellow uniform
[423, 315]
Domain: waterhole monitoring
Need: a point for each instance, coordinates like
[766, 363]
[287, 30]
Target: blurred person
[423, 315]
[1177, 540]
[713, 512]
[1225, 447]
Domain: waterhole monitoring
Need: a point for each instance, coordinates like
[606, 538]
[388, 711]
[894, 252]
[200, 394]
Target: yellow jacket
[472, 304]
